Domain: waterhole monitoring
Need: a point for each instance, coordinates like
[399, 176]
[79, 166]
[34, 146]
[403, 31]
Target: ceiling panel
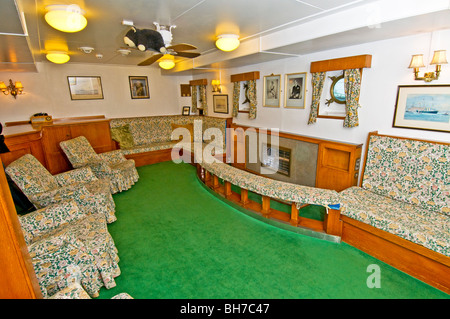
[10, 19]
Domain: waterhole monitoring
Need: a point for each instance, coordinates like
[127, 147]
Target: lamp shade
[167, 62]
[439, 57]
[18, 85]
[66, 18]
[228, 42]
[57, 57]
[2, 86]
[416, 61]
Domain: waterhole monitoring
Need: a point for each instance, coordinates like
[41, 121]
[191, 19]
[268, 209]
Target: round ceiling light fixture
[228, 42]
[57, 57]
[167, 62]
[66, 18]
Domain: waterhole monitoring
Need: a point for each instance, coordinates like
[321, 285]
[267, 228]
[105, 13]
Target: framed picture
[85, 87]
[186, 110]
[139, 87]
[295, 89]
[423, 107]
[272, 90]
[220, 103]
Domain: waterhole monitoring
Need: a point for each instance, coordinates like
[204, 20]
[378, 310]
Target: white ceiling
[268, 29]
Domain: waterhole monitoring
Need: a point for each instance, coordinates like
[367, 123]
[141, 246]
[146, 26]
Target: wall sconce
[439, 58]
[14, 89]
[216, 86]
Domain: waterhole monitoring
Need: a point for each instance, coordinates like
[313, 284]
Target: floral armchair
[67, 245]
[43, 189]
[113, 165]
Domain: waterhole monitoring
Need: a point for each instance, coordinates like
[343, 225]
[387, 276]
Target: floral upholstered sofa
[143, 135]
[405, 191]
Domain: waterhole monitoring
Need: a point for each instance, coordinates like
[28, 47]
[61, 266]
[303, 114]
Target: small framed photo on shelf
[139, 87]
[423, 107]
[272, 90]
[220, 103]
[85, 87]
[294, 92]
[186, 110]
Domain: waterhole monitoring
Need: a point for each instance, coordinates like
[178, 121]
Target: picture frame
[220, 102]
[272, 90]
[139, 87]
[423, 107]
[295, 90]
[85, 87]
[186, 110]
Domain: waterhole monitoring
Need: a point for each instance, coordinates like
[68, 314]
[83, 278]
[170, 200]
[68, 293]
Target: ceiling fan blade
[190, 55]
[182, 47]
[151, 60]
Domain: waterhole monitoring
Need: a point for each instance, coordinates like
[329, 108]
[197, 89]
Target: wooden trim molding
[198, 82]
[249, 76]
[352, 62]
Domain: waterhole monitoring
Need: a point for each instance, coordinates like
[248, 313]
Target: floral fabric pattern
[410, 222]
[42, 189]
[317, 79]
[252, 98]
[65, 244]
[202, 89]
[275, 189]
[236, 95]
[194, 98]
[113, 166]
[410, 171]
[352, 86]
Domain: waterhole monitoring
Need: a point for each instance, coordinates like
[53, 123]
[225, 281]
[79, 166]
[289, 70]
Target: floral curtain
[252, 98]
[203, 99]
[318, 79]
[236, 95]
[352, 85]
[194, 99]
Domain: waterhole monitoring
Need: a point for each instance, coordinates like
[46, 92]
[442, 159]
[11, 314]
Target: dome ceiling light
[228, 42]
[57, 57]
[167, 62]
[66, 18]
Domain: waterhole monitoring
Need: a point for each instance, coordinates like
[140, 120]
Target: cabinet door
[57, 161]
[21, 145]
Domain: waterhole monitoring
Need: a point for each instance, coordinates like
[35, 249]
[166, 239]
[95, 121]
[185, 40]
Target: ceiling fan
[160, 41]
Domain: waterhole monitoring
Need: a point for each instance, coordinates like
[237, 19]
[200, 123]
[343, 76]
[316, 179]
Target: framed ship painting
[423, 107]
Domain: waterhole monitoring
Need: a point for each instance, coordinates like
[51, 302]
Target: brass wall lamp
[13, 88]
[439, 58]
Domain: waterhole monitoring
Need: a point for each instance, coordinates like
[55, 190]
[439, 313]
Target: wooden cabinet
[96, 132]
[21, 144]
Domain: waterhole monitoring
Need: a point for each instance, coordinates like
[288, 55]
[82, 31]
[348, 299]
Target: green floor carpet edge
[176, 240]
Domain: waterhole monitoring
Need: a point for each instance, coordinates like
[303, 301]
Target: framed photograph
[423, 107]
[139, 87]
[294, 91]
[272, 90]
[220, 103]
[85, 87]
[186, 110]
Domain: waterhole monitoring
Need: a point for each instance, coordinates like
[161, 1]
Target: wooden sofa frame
[420, 262]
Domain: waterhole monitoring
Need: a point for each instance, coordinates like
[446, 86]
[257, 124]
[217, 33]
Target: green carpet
[176, 240]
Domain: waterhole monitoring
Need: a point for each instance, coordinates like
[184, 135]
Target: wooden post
[244, 196]
[333, 224]
[265, 206]
[227, 189]
[216, 183]
[294, 215]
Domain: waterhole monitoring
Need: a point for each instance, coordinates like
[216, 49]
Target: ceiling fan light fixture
[228, 42]
[167, 62]
[66, 18]
[57, 57]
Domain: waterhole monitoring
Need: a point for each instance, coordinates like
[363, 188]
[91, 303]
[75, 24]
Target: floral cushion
[122, 135]
[410, 222]
[275, 189]
[411, 171]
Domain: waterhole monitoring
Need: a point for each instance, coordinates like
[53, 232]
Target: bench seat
[411, 222]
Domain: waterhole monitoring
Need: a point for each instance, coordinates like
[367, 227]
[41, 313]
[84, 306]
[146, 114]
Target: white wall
[48, 91]
[390, 61]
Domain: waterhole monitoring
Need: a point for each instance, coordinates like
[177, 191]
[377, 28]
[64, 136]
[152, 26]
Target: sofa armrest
[43, 221]
[44, 199]
[83, 175]
[113, 157]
